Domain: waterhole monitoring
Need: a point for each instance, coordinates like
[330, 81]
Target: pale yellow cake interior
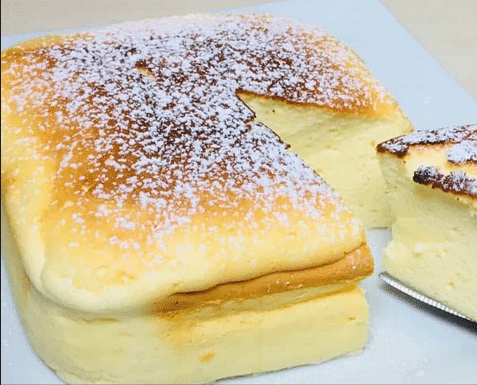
[340, 146]
[434, 245]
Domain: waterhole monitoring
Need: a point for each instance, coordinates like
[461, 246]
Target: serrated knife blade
[406, 289]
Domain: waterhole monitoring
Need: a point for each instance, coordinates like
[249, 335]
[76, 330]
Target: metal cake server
[397, 284]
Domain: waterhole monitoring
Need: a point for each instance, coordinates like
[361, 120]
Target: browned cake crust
[456, 183]
[347, 272]
[460, 146]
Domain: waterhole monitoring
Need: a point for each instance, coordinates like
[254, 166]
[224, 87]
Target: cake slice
[164, 234]
[432, 176]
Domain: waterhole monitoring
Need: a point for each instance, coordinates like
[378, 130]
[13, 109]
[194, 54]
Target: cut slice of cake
[432, 176]
[164, 234]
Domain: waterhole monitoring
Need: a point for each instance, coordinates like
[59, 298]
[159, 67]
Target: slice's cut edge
[339, 146]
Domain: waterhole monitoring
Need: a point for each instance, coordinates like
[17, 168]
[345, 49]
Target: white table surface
[409, 342]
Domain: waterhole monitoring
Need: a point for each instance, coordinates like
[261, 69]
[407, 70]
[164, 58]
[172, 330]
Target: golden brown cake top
[149, 109]
[458, 143]
[129, 158]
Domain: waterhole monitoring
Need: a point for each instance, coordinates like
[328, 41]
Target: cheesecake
[164, 233]
[432, 180]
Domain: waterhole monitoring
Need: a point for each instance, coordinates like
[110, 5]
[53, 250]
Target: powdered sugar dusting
[455, 135]
[465, 151]
[146, 114]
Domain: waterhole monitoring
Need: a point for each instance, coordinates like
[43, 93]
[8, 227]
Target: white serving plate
[408, 342]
